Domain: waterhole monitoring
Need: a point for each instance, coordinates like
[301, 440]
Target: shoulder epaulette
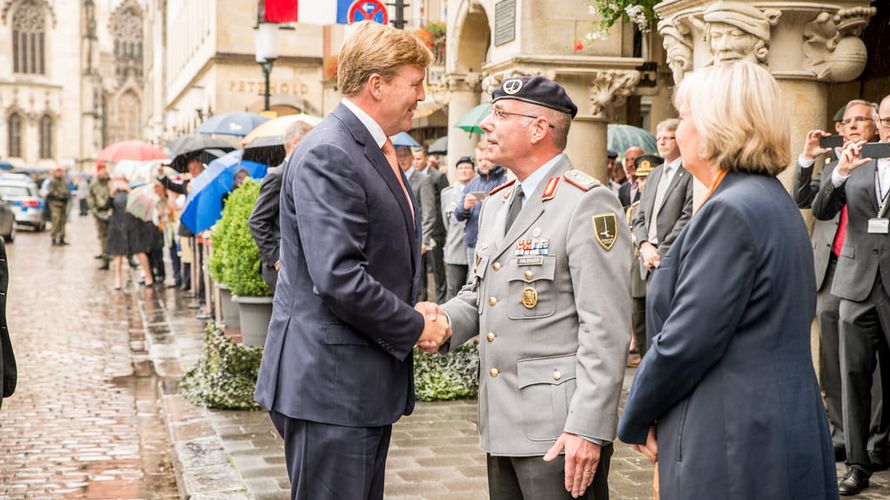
[502, 186]
[550, 189]
[581, 180]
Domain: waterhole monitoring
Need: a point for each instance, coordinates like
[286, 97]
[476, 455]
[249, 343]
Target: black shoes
[104, 266]
[854, 482]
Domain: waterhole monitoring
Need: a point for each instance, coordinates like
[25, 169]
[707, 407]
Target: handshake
[436, 330]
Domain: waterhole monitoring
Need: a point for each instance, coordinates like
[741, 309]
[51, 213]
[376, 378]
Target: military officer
[58, 196]
[549, 294]
[99, 201]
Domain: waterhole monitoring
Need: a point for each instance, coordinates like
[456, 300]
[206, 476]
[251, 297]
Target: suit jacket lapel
[672, 185]
[375, 155]
[652, 183]
[531, 210]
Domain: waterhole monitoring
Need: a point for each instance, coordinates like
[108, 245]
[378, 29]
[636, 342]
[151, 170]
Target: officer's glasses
[885, 121]
[501, 115]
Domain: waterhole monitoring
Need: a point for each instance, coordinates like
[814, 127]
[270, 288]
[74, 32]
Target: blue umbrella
[203, 205]
[238, 123]
[403, 140]
[5, 165]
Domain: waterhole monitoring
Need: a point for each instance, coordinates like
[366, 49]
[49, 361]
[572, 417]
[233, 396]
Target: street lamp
[266, 52]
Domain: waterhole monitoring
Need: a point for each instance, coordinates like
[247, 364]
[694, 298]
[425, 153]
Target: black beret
[536, 90]
[465, 159]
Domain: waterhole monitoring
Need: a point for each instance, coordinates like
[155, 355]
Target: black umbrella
[267, 150]
[439, 146]
[186, 148]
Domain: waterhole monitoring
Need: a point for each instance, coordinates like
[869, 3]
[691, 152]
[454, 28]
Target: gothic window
[126, 28]
[14, 137]
[46, 137]
[128, 117]
[28, 39]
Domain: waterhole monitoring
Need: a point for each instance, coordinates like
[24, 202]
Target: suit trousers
[433, 261]
[864, 334]
[827, 311]
[638, 323]
[531, 478]
[333, 462]
[456, 278]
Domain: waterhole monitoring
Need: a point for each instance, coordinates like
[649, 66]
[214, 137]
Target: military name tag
[530, 261]
[529, 297]
[878, 226]
[605, 228]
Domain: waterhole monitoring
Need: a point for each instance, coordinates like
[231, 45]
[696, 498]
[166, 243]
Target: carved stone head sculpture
[737, 31]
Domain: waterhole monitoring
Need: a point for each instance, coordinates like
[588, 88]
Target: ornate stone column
[463, 95]
[804, 45]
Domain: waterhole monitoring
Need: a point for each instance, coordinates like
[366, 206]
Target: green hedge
[225, 375]
[236, 257]
[443, 377]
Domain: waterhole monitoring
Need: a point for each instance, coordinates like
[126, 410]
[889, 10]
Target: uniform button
[529, 275]
[496, 266]
[875, 251]
[492, 301]
[493, 372]
[490, 336]
[556, 375]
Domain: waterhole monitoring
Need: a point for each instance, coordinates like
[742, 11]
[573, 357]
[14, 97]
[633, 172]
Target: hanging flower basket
[432, 34]
[330, 68]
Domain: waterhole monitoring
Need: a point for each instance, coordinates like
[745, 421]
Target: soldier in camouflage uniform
[58, 196]
[99, 201]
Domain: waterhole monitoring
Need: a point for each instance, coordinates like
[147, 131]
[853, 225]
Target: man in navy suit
[337, 367]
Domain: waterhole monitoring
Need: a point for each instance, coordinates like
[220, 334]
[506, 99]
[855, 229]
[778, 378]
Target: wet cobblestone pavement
[80, 424]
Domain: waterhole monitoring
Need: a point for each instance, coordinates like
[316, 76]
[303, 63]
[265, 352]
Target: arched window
[126, 28]
[28, 39]
[46, 137]
[128, 119]
[14, 135]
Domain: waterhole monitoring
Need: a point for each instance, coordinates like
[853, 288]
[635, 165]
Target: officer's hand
[811, 148]
[650, 449]
[436, 330]
[849, 159]
[423, 248]
[470, 201]
[582, 458]
[649, 255]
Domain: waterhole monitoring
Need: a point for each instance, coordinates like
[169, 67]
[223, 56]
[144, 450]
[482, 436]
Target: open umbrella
[203, 205]
[267, 150]
[620, 137]
[5, 165]
[184, 149]
[142, 202]
[471, 121]
[131, 150]
[238, 123]
[277, 126]
[439, 146]
[404, 140]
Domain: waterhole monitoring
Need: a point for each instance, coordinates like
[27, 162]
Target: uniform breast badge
[605, 228]
[535, 247]
[529, 297]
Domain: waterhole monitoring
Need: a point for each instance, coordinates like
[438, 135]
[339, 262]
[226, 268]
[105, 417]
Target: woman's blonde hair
[740, 116]
[377, 48]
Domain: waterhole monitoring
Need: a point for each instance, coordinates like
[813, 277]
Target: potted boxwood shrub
[241, 266]
[229, 309]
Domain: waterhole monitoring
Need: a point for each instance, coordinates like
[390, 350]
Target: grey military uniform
[551, 300]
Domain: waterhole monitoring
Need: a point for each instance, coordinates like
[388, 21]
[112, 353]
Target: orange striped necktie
[389, 151]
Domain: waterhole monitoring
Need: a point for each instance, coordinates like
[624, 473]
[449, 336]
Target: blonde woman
[726, 399]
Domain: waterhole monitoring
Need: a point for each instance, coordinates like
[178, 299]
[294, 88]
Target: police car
[20, 194]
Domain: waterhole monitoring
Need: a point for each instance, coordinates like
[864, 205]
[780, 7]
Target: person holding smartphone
[489, 176]
[862, 187]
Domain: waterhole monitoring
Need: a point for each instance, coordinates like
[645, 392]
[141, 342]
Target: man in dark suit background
[665, 207]
[629, 192]
[828, 239]
[263, 222]
[423, 186]
[861, 280]
[337, 366]
[434, 258]
[7, 358]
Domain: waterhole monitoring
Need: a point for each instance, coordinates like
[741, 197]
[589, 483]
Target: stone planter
[255, 314]
[230, 315]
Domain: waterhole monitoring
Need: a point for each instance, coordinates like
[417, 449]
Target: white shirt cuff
[805, 163]
[837, 179]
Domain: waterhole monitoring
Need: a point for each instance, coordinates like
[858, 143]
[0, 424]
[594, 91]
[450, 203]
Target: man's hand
[649, 255]
[469, 201]
[423, 248]
[582, 458]
[811, 148]
[436, 330]
[850, 160]
[650, 449]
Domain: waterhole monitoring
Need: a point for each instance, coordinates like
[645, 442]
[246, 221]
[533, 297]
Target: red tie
[841, 233]
[389, 151]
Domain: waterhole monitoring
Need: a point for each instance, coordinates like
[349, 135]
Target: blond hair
[376, 48]
[740, 116]
[669, 125]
